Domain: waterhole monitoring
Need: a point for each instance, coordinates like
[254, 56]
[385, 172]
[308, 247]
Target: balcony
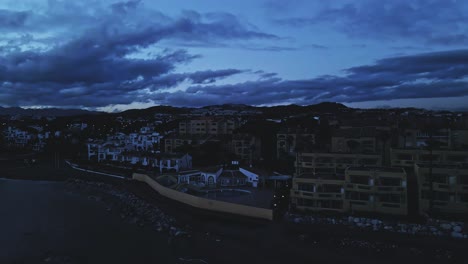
[390, 189]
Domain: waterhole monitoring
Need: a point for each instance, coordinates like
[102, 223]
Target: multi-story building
[459, 139]
[376, 190]
[319, 180]
[246, 147]
[208, 126]
[445, 138]
[318, 192]
[16, 137]
[175, 141]
[288, 141]
[407, 157]
[449, 190]
[333, 162]
[356, 140]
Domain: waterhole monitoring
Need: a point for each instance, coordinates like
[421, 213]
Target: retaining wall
[203, 203]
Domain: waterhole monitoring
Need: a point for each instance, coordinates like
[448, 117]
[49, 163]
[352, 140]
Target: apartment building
[318, 192]
[246, 147]
[355, 139]
[208, 126]
[334, 163]
[376, 190]
[319, 180]
[17, 138]
[449, 188]
[446, 138]
[288, 141]
[407, 157]
[173, 142]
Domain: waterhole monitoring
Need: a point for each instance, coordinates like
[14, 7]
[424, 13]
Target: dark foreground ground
[57, 222]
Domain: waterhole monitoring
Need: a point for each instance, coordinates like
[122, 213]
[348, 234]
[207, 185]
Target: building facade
[376, 190]
[449, 192]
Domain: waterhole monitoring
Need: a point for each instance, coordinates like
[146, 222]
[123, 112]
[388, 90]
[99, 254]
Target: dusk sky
[109, 55]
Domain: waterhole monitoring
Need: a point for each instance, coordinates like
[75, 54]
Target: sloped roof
[232, 174]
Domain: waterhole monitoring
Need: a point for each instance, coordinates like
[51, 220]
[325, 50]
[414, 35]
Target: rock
[446, 226]
[456, 235]
[375, 222]
[356, 220]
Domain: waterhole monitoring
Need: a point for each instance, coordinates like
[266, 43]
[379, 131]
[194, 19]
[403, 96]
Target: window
[305, 202]
[332, 188]
[456, 158]
[389, 198]
[369, 161]
[463, 179]
[464, 197]
[427, 157]
[405, 157]
[332, 204]
[385, 181]
[437, 178]
[210, 180]
[361, 196]
[359, 179]
[438, 196]
[307, 187]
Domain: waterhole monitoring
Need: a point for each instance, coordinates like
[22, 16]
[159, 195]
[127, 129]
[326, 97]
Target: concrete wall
[207, 204]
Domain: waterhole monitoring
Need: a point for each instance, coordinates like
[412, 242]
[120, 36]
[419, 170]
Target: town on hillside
[324, 158]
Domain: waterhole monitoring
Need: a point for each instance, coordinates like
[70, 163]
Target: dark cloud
[429, 75]
[437, 21]
[12, 19]
[124, 7]
[100, 62]
[98, 65]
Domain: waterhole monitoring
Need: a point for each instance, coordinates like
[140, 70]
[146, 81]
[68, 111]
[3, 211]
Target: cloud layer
[442, 22]
[71, 54]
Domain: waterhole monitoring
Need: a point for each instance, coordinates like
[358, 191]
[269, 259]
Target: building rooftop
[444, 166]
[323, 176]
[232, 174]
[212, 169]
[378, 169]
[355, 132]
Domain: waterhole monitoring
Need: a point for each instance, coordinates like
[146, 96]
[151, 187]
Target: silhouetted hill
[238, 107]
[293, 109]
[45, 112]
[281, 110]
[150, 112]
